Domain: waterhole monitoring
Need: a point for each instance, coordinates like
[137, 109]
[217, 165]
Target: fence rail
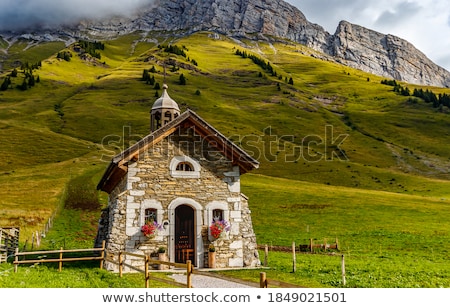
[294, 249]
[312, 246]
[147, 262]
[265, 282]
[61, 258]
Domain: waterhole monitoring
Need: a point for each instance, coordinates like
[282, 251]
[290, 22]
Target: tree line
[437, 101]
[29, 79]
[177, 50]
[266, 66]
[92, 47]
[150, 79]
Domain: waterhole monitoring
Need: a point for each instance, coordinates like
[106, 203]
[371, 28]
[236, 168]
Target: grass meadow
[341, 156]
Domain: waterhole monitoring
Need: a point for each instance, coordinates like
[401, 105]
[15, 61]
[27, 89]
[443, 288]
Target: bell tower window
[168, 116]
[157, 118]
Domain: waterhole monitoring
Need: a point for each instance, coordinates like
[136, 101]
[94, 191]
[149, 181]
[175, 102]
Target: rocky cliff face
[352, 45]
[385, 55]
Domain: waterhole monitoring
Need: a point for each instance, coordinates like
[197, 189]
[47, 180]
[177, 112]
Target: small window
[185, 166]
[217, 215]
[150, 215]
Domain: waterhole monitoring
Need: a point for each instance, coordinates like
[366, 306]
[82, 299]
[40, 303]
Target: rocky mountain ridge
[351, 45]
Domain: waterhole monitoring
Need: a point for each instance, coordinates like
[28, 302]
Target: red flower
[218, 226]
[150, 228]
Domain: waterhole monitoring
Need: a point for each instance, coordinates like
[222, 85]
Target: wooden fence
[312, 246]
[9, 241]
[294, 249]
[265, 282]
[147, 261]
[36, 236]
[60, 259]
[325, 245]
[103, 256]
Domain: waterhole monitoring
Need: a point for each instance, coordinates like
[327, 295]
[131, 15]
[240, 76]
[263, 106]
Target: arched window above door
[184, 167]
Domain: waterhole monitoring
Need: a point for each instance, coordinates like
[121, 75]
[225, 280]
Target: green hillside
[332, 127]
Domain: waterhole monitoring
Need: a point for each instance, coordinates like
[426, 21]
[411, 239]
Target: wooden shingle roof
[118, 166]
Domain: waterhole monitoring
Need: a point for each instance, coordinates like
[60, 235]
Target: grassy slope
[391, 184]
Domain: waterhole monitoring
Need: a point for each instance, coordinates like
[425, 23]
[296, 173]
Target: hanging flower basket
[218, 227]
[150, 228]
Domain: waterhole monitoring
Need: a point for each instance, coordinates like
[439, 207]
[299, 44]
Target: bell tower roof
[165, 101]
[164, 110]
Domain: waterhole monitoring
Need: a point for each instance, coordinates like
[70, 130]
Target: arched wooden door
[184, 234]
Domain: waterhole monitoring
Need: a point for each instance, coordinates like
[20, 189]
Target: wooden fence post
[311, 244]
[343, 270]
[294, 261]
[266, 255]
[38, 239]
[147, 275]
[102, 254]
[60, 259]
[16, 260]
[189, 273]
[262, 280]
[120, 264]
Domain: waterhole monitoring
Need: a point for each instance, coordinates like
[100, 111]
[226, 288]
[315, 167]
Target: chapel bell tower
[164, 110]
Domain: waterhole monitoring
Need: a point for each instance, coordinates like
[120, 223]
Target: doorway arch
[185, 216]
[184, 234]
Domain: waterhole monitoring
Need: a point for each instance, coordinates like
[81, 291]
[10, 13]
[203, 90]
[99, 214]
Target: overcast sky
[424, 23]
[22, 13]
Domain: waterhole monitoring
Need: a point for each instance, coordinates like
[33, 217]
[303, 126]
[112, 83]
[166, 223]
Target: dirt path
[201, 281]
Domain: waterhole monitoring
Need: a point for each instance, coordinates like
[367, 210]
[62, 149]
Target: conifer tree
[182, 80]
[5, 84]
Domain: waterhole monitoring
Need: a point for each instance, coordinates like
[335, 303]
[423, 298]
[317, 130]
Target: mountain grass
[344, 154]
[23, 51]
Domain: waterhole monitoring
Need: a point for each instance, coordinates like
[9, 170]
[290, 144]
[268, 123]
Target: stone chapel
[167, 190]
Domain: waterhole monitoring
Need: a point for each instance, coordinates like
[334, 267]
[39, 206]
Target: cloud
[401, 13]
[425, 23]
[24, 14]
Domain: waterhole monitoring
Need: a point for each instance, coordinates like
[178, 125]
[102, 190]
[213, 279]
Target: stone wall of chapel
[149, 181]
[152, 177]
[112, 225]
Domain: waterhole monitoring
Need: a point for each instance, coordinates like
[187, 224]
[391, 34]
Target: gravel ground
[201, 281]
